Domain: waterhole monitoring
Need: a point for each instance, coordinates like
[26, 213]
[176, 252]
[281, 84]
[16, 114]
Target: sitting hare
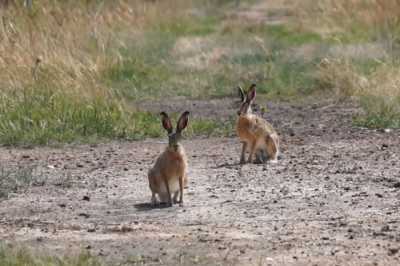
[168, 176]
[254, 132]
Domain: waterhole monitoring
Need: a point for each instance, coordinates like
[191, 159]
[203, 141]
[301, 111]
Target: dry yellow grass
[53, 62]
[327, 16]
[68, 45]
[363, 22]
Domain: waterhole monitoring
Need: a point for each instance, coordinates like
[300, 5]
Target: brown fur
[171, 165]
[255, 133]
[168, 175]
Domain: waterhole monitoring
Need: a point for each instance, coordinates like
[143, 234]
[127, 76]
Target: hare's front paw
[155, 203]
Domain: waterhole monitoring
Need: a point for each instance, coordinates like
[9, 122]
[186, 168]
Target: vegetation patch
[22, 257]
[43, 116]
[72, 87]
[17, 179]
[380, 112]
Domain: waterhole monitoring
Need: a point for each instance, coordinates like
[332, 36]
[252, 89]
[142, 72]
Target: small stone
[82, 214]
[87, 198]
[385, 228]
[393, 251]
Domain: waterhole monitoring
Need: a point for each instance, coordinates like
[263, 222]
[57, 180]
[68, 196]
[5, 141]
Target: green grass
[380, 112]
[136, 78]
[150, 70]
[148, 65]
[207, 127]
[283, 35]
[188, 26]
[23, 257]
[42, 117]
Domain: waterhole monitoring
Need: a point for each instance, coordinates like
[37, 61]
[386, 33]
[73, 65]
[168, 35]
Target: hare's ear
[251, 94]
[182, 122]
[241, 94]
[166, 122]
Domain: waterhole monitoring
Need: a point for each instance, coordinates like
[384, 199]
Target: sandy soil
[333, 198]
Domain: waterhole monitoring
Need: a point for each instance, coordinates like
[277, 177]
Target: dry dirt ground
[333, 198]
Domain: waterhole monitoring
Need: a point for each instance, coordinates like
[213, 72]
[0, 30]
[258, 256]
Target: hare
[168, 175]
[254, 132]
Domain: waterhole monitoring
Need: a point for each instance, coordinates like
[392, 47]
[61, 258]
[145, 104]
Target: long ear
[251, 94]
[241, 93]
[166, 122]
[182, 122]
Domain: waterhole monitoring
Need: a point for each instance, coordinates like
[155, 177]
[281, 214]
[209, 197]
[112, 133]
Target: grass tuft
[42, 116]
[22, 257]
[16, 179]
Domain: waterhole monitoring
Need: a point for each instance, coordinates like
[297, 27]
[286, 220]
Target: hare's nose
[238, 112]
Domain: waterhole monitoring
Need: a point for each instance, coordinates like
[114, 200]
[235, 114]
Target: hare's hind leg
[181, 181]
[175, 197]
[154, 200]
[272, 148]
[242, 155]
[252, 151]
[261, 156]
[169, 200]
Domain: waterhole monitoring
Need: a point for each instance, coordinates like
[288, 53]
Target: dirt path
[332, 199]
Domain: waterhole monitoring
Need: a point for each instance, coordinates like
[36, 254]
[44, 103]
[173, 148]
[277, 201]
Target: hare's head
[174, 137]
[247, 99]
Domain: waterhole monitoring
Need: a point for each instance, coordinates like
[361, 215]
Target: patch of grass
[22, 257]
[277, 75]
[207, 127]
[42, 116]
[380, 112]
[144, 68]
[135, 78]
[188, 26]
[352, 20]
[15, 179]
[250, 59]
[283, 35]
[287, 79]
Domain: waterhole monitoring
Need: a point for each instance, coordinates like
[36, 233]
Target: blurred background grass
[72, 71]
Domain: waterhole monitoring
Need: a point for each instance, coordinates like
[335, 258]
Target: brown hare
[254, 132]
[168, 175]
